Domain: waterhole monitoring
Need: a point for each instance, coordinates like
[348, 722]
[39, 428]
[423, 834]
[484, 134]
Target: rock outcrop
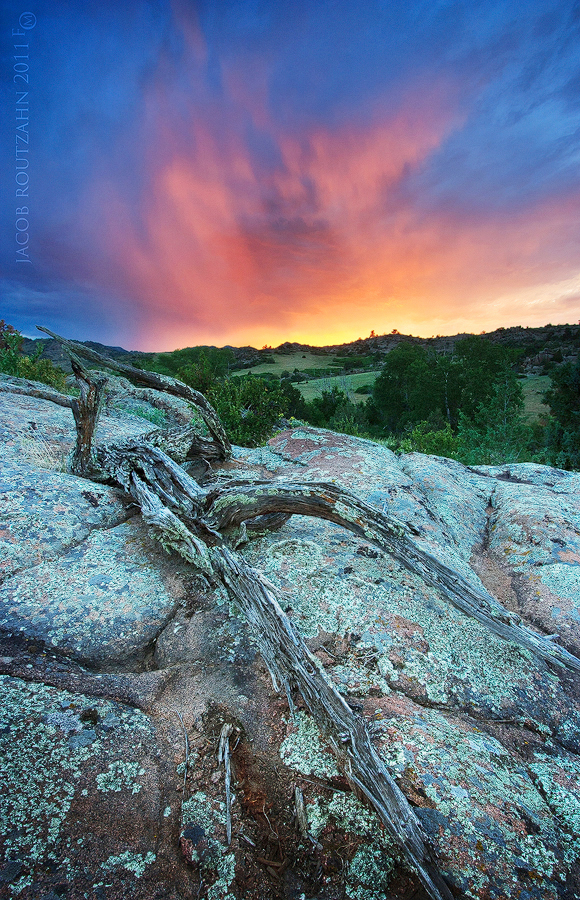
[121, 666]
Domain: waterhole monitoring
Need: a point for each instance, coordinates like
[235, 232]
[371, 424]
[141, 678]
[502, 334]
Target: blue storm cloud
[101, 75]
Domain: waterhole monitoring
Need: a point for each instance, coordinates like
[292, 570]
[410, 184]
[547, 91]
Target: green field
[534, 387]
[346, 383]
[288, 362]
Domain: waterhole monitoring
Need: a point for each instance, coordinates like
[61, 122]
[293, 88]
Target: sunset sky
[255, 171]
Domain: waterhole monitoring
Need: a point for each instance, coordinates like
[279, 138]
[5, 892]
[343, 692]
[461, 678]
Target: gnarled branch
[158, 383]
[11, 385]
[234, 504]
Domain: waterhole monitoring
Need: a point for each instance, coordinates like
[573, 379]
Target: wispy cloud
[235, 172]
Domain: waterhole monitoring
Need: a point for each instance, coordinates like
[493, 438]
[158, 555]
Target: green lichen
[304, 750]
[356, 680]
[132, 862]
[479, 791]
[453, 657]
[369, 874]
[120, 775]
[203, 811]
[563, 581]
[463, 657]
[559, 779]
[38, 770]
[43, 768]
[539, 859]
[350, 815]
[210, 816]
[226, 870]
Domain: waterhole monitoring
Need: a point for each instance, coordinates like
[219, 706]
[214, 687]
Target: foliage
[151, 414]
[193, 365]
[564, 430]
[334, 410]
[417, 385]
[248, 408]
[399, 395]
[5, 331]
[347, 363]
[297, 406]
[12, 362]
[482, 364]
[497, 432]
[321, 410]
[424, 438]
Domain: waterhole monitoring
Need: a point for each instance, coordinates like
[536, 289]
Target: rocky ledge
[121, 668]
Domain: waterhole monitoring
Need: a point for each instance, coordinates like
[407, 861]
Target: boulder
[123, 666]
[103, 602]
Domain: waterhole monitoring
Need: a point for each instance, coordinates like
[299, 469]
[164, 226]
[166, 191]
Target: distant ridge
[534, 340]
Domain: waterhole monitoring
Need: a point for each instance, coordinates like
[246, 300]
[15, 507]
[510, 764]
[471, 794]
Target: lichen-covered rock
[442, 501]
[535, 531]
[482, 738]
[43, 513]
[471, 725]
[104, 600]
[77, 774]
[43, 434]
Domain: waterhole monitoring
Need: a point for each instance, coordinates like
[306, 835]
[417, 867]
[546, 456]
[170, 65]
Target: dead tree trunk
[157, 383]
[283, 650]
[86, 411]
[232, 505]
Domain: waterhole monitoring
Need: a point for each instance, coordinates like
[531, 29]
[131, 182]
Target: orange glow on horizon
[323, 247]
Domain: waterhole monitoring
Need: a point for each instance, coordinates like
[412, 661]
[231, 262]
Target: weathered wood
[86, 411]
[10, 385]
[288, 657]
[231, 505]
[158, 383]
[292, 665]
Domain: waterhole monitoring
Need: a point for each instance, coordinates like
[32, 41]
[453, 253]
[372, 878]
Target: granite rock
[483, 739]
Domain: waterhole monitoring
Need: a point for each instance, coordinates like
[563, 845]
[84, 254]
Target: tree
[564, 401]
[249, 408]
[320, 410]
[417, 385]
[13, 362]
[497, 432]
[482, 363]
[401, 392]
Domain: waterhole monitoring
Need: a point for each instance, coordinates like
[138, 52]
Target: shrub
[248, 408]
[35, 369]
[425, 438]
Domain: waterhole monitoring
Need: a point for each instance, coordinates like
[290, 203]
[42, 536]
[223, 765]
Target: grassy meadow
[534, 387]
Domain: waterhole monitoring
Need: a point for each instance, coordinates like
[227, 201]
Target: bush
[248, 408]
[33, 368]
[425, 438]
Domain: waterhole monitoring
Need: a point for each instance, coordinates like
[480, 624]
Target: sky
[177, 173]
